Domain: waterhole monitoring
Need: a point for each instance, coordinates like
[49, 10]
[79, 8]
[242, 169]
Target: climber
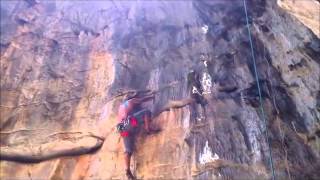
[130, 117]
[196, 91]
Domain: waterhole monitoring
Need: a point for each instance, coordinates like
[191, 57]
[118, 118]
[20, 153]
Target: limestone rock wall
[306, 11]
[64, 63]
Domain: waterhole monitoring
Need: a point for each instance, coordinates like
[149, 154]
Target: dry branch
[72, 145]
[22, 130]
[146, 92]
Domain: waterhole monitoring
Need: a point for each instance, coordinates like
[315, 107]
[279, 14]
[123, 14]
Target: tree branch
[145, 92]
[71, 144]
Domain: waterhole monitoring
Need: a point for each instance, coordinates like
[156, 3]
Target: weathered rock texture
[307, 11]
[64, 63]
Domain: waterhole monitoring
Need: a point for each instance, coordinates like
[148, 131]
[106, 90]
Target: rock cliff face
[306, 11]
[64, 66]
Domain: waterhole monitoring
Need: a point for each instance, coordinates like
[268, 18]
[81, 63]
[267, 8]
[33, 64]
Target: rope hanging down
[259, 90]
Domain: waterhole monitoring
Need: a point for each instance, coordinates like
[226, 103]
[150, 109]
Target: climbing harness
[125, 125]
[259, 90]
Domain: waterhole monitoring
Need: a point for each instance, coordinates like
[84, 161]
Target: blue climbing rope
[259, 90]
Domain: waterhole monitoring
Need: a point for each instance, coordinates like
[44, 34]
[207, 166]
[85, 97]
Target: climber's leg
[127, 158]
[128, 145]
